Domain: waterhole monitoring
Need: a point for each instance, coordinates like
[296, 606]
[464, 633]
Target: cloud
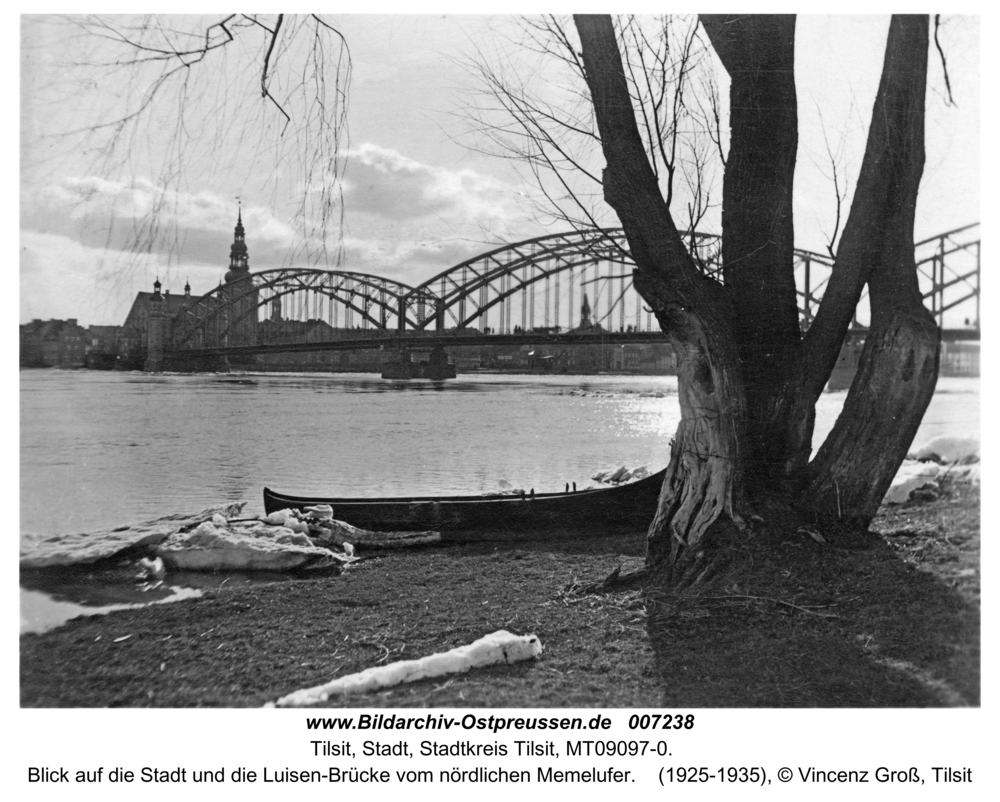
[410, 220]
[184, 226]
[63, 278]
[405, 220]
[388, 184]
[411, 262]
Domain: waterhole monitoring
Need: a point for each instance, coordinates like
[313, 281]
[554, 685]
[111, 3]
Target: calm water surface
[101, 449]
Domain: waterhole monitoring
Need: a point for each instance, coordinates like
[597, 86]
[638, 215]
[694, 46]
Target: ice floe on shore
[90, 547]
[948, 449]
[611, 476]
[924, 468]
[621, 475]
[217, 539]
[219, 545]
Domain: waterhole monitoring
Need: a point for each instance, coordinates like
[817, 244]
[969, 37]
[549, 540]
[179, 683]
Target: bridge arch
[467, 295]
[207, 321]
[468, 290]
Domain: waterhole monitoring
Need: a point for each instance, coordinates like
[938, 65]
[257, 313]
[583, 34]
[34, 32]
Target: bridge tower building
[155, 334]
[585, 313]
[239, 294]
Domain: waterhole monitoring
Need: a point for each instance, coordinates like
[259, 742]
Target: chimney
[71, 321]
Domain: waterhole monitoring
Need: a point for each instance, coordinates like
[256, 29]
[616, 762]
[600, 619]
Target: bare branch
[944, 62]
[539, 114]
[263, 70]
[187, 83]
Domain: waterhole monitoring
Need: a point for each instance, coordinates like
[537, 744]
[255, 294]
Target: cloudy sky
[419, 194]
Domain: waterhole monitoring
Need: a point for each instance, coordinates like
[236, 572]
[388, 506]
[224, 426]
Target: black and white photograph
[489, 362]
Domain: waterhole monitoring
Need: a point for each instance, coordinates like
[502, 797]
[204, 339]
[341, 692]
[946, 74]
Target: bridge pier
[184, 363]
[436, 368]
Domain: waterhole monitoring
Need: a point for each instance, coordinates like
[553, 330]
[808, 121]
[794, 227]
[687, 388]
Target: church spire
[238, 258]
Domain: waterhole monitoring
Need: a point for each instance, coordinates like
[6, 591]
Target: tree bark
[886, 188]
[747, 382]
[899, 363]
[701, 494]
[758, 237]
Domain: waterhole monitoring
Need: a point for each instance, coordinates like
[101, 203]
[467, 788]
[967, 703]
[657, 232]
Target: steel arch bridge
[534, 287]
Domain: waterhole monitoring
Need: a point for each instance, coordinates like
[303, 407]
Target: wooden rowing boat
[595, 511]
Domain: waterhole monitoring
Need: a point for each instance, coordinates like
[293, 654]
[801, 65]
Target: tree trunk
[747, 383]
[758, 238]
[898, 370]
[698, 510]
[893, 386]
[703, 488]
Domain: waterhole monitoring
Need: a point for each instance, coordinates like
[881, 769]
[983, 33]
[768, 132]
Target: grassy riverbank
[896, 625]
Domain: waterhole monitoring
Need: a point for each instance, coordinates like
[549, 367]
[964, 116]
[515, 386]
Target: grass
[896, 625]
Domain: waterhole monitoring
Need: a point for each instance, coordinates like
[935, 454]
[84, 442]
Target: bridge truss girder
[360, 292]
[466, 292]
[496, 272]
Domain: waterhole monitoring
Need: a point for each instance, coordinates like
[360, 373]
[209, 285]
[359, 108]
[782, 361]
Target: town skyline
[418, 197]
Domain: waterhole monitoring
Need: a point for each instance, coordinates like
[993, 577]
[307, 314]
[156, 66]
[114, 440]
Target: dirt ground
[894, 625]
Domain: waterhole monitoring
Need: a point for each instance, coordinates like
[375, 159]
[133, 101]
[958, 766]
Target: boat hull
[628, 507]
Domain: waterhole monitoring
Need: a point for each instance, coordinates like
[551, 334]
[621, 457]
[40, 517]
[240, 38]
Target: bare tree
[257, 99]
[748, 379]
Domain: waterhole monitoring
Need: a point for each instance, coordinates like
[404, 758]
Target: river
[100, 449]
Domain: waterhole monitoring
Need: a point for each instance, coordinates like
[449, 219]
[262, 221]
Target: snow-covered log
[497, 647]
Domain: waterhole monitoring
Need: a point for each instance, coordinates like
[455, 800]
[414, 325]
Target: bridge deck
[377, 340]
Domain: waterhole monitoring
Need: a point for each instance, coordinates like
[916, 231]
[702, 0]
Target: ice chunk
[265, 548]
[497, 647]
[617, 475]
[290, 520]
[152, 568]
[911, 476]
[279, 517]
[948, 449]
[89, 547]
[321, 512]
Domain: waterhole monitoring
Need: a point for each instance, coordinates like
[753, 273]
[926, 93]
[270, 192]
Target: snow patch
[911, 476]
[497, 647]
[933, 461]
[947, 449]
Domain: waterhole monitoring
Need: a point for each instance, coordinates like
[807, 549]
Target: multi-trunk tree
[748, 378]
